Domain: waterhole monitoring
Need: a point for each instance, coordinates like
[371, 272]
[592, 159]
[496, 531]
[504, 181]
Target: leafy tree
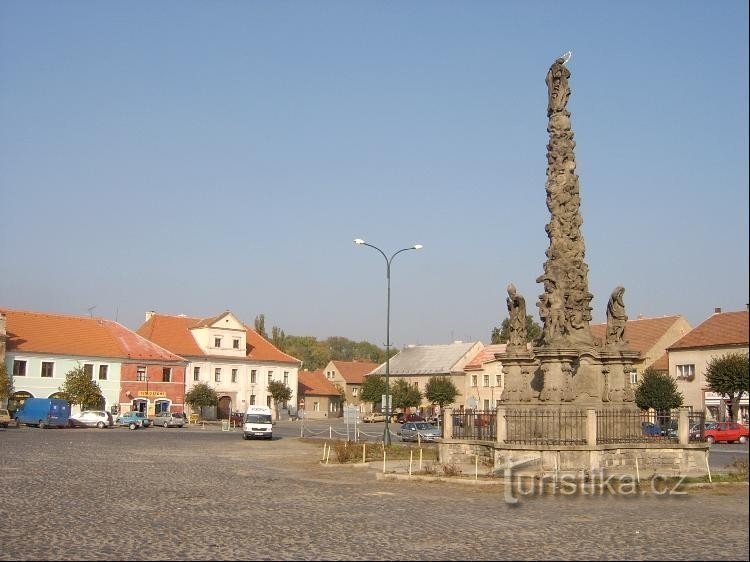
[372, 390]
[441, 391]
[313, 354]
[658, 391]
[280, 394]
[260, 325]
[6, 384]
[201, 396]
[728, 375]
[277, 337]
[405, 395]
[79, 389]
[502, 334]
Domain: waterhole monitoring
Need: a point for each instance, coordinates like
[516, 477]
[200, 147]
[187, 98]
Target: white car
[373, 417]
[92, 418]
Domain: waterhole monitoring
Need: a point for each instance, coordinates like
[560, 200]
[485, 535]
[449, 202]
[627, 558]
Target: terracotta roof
[315, 383]
[641, 334]
[485, 355]
[661, 364]
[721, 328]
[173, 333]
[354, 371]
[37, 332]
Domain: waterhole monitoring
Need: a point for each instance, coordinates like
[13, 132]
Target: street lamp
[360, 242]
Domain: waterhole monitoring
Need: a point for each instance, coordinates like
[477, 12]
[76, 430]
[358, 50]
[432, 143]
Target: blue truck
[44, 412]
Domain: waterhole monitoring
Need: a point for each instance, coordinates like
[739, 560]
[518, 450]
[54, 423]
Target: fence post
[683, 425]
[447, 423]
[501, 425]
[591, 426]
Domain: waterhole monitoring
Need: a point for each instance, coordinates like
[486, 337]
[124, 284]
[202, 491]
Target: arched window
[162, 405]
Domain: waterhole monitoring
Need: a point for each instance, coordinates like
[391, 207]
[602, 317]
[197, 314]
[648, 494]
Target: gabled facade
[416, 364]
[319, 398]
[349, 376]
[484, 378]
[650, 337]
[225, 354]
[721, 333]
[42, 348]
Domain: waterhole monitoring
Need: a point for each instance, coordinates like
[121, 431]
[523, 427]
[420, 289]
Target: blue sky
[191, 157]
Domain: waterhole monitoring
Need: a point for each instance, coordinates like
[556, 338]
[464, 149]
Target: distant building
[721, 333]
[319, 397]
[349, 376]
[484, 378]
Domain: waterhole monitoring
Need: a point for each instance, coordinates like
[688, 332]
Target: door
[224, 409]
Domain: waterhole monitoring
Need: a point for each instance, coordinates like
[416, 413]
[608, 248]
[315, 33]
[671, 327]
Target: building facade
[318, 397]
[349, 376]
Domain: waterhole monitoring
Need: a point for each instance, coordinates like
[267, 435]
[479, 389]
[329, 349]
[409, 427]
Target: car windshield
[258, 418]
[423, 425]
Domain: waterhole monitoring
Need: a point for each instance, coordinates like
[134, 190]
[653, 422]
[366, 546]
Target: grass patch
[347, 452]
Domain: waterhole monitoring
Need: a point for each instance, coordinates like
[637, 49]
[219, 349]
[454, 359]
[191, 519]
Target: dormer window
[217, 342]
[236, 343]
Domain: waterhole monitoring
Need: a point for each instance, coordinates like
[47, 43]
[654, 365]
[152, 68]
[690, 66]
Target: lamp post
[360, 242]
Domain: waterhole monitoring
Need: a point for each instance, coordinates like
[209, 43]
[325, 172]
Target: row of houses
[152, 368]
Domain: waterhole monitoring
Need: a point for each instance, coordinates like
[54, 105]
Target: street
[202, 493]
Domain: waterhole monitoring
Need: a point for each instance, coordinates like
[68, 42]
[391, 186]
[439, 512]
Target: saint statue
[616, 317]
[557, 86]
[516, 317]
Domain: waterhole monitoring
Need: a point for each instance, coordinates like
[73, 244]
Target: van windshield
[257, 418]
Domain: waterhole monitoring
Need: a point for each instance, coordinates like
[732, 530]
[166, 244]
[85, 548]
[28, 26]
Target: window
[236, 343]
[217, 374]
[19, 368]
[234, 375]
[270, 376]
[486, 403]
[498, 380]
[140, 374]
[47, 368]
[252, 399]
[633, 377]
[217, 342]
[415, 385]
[253, 376]
[486, 382]
[88, 368]
[686, 372]
[316, 406]
[286, 378]
[196, 373]
[166, 374]
[473, 380]
[103, 372]
[355, 391]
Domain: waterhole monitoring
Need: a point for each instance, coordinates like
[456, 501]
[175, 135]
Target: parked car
[130, 420]
[4, 417]
[144, 419]
[650, 429]
[416, 431]
[44, 412]
[373, 417]
[237, 419]
[695, 430]
[727, 431]
[92, 418]
[405, 418]
[169, 419]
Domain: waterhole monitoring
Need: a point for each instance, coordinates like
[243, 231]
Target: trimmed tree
[404, 395]
[201, 396]
[79, 389]
[728, 375]
[658, 391]
[6, 384]
[280, 393]
[441, 391]
[372, 390]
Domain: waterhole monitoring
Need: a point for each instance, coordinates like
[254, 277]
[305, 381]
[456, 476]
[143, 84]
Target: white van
[258, 423]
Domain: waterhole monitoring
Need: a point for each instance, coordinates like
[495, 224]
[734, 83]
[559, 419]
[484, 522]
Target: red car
[727, 431]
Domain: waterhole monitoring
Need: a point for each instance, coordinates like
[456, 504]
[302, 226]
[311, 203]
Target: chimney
[717, 310]
[149, 315]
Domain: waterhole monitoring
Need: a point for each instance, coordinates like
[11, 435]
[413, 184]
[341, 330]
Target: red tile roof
[661, 364]
[38, 332]
[354, 372]
[641, 334]
[173, 333]
[315, 383]
[485, 355]
[720, 329]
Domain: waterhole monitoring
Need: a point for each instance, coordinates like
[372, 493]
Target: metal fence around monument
[536, 427]
[477, 425]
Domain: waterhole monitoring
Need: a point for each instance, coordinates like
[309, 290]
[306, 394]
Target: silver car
[419, 431]
[92, 418]
[169, 419]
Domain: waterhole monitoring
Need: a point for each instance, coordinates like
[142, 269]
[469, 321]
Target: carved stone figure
[517, 317]
[616, 317]
[551, 310]
[557, 86]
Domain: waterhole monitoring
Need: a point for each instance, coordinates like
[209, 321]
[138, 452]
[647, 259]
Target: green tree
[372, 390]
[277, 337]
[280, 394]
[260, 325]
[6, 384]
[502, 334]
[441, 391]
[79, 389]
[658, 391]
[728, 375]
[201, 396]
[404, 395]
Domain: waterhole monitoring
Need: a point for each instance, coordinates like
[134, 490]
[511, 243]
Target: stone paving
[193, 494]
